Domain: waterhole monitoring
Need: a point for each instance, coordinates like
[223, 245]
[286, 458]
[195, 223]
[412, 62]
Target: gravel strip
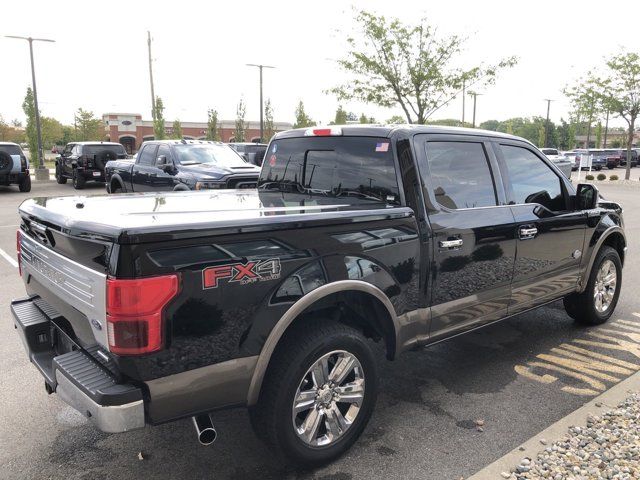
[607, 448]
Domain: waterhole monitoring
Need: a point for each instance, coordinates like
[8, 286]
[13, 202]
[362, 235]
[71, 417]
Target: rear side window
[147, 155]
[346, 167]
[532, 180]
[460, 175]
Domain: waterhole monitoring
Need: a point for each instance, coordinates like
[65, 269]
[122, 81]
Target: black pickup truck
[144, 309]
[167, 165]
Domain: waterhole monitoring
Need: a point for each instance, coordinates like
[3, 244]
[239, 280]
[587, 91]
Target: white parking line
[8, 258]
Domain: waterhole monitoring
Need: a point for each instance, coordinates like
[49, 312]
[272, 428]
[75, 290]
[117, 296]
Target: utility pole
[546, 125]
[260, 67]
[41, 172]
[464, 89]
[606, 129]
[153, 95]
[475, 96]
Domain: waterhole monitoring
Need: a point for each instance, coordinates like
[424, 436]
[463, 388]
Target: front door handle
[450, 243]
[527, 233]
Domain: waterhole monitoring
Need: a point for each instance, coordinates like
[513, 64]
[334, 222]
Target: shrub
[589, 177]
[601, 176]
[613, 177]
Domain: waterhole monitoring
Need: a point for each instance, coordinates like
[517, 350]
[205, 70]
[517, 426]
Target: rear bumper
[77, 378]
[9, 178]
[92, 174]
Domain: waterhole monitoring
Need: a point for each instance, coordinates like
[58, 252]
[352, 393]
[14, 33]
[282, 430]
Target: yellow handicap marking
[589, 369]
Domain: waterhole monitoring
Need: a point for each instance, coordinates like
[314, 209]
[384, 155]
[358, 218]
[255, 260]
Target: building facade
[131, 130]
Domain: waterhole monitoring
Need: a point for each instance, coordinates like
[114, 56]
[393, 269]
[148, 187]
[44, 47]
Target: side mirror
[161, 160]
[586, 196]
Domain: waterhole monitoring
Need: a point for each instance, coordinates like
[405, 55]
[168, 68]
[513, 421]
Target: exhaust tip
[205, 430]
[207, 436]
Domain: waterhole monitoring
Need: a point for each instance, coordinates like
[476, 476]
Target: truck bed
[127, 218]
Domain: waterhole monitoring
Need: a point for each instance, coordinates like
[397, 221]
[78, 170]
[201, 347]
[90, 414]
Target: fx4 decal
[243, 273]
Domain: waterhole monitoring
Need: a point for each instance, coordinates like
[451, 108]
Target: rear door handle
[450, 243]
[528, 232]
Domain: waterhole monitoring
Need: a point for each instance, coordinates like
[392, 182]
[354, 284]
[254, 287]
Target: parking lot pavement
[443, 413]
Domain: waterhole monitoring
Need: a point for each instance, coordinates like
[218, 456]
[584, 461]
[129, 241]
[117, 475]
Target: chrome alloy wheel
[328, 399]
[605, 286]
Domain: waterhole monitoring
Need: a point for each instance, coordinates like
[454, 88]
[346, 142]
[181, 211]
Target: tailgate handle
[451, 243]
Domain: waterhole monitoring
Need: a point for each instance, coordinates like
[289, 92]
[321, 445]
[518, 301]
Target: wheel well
[357, 309]
[617, 242]
[116, 181]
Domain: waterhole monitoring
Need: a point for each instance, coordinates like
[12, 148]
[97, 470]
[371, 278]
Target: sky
[201, 48]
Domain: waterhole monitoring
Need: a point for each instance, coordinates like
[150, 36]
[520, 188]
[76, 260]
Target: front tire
[596, 304]
[318, 394]
[60, 178]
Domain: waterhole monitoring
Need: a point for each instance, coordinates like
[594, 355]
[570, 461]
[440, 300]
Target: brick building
[131, 130]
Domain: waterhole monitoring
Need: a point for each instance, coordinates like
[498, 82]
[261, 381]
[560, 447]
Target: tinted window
[550, 151]
[532, 180]
[147, 155]
[11, 149]
[460, 175]
[163, 150]
[346, 167]
[96, 149]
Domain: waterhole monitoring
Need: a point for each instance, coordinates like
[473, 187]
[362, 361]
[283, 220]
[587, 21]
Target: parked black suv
[251, 152]
[84, 161]
[166, 165]
[14, 166]
[144, 309]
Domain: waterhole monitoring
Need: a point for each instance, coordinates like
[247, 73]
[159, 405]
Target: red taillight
[134, 313]
[323, 132]
[19, 252]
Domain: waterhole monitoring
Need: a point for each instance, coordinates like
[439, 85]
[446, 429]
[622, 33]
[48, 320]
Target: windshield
[345, 167]
[220, 155]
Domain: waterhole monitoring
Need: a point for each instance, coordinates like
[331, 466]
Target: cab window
[531, 179]
[460, 175]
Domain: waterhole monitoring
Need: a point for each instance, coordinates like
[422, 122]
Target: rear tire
[78, 180]
[296, 372]
[25, 185]
[596, 304]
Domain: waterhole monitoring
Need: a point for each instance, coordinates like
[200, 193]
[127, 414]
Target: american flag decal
[382, 147]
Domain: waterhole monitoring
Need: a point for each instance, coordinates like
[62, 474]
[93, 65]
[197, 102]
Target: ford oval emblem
[96, 324]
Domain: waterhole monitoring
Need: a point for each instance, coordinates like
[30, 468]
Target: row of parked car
[599, 158]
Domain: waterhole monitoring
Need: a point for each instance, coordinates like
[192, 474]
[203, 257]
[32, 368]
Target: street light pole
[41, 172]
[260, 67]
[546, 125]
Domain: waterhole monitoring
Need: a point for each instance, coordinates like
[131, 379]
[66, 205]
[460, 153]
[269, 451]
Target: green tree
[241, 124]
[449, 122]
[177, 130]
[52, 132]
[213, 126]
[396, 120]
[566, 135]
[599, 135]
[302, 119]
[363, 119]
[29, 109]
[620, 92]
[341, 116]
[88, 127]
[269, 126]
[158, 123]
[394, 64]
[490, 125]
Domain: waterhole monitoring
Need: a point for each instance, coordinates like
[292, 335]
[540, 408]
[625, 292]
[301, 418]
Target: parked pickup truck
[167, 165]
[85, 161]
[144, 309]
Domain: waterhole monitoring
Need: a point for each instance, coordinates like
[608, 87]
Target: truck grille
[242, 182]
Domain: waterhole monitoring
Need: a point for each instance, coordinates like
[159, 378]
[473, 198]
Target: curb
[530, 449]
